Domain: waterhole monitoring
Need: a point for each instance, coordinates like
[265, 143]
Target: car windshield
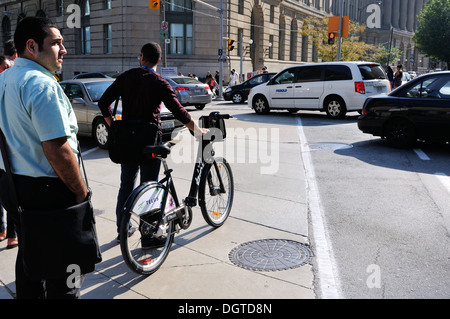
[186, 81]
[96, 89]
[372, 72]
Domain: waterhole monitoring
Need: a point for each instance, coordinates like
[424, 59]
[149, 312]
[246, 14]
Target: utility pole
[341, 13]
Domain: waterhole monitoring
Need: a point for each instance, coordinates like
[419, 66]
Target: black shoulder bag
[73, 239]
[126, 139]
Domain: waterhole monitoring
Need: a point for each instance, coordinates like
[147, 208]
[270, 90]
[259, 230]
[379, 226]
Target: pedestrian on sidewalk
[142, 90]
[40, 130]
[9, 231]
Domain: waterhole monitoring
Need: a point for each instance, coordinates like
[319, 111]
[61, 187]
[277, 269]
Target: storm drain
[270, 255]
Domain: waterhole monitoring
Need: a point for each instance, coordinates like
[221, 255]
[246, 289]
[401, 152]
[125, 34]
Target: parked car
[89, 75]
[84, 95]
[419, 109]
[332, 87]
[190, 91]
[239, 93]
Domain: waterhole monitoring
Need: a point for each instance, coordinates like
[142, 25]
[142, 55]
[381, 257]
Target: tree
[352, 49]
[382, 55]
[432, 36]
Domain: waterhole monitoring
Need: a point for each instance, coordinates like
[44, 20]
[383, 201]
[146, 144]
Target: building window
[108, 4]
[107, 36]
[180, 18]
[293, 39]
[272, 14]
[61, 8]
[241, 6]
[85, 28]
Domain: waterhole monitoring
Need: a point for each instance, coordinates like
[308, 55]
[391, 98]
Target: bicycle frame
[205, 155]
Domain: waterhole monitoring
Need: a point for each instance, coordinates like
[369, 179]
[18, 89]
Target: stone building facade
[106, 35]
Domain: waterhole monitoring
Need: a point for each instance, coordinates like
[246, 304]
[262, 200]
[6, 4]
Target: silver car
[190, 91]
[84, 95]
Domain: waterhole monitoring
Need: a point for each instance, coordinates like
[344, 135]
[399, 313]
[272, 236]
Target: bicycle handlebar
[217, 115]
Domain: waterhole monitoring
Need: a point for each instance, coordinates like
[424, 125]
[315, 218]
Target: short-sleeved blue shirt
[33, 109]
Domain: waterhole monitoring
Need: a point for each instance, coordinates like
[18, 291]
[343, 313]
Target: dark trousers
[37, 193]
[128, 177]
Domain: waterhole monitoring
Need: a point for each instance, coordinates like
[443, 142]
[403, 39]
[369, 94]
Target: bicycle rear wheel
[145, 241]
[216, 191]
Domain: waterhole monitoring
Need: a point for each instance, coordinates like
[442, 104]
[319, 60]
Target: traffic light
[230, 45]
[331, 37]
[154, 4]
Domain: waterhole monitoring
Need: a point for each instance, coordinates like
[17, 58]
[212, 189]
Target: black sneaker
[131, 231]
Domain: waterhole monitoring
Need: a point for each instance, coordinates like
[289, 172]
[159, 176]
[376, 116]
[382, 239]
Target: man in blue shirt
[40, 130]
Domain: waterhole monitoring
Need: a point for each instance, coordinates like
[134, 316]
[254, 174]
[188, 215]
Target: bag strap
[80, 158]
[8, 172]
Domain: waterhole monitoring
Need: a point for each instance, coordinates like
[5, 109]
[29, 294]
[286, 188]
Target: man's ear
[31, 47]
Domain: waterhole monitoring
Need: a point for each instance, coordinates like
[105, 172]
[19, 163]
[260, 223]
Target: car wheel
[335, 107]
[400, 133]
[100, 133]
[260, 105]
[237, 98]
[200, 106]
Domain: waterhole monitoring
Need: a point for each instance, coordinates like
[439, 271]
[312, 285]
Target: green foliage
[352, 49]
[433, 32]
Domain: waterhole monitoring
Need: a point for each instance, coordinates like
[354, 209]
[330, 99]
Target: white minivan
[332, 87]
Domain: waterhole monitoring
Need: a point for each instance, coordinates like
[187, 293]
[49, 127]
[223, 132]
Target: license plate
[167, 125]
[198, 91]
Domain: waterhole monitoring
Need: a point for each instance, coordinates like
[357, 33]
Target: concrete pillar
[403, 13]
[395, 13]
[411, 16]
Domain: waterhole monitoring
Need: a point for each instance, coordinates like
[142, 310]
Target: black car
[419, 109]
[239, 93]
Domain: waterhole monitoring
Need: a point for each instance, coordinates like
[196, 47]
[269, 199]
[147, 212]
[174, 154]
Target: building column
[395, 13]
[411, 16]
[419, 7]
[387, 13]
[403, 13]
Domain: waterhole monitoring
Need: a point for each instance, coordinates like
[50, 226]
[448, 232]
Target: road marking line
[326, 265]
[421, 154]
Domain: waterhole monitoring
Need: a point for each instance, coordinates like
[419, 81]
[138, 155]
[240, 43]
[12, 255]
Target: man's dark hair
[10, 48]
[151, 52]
[35, 28]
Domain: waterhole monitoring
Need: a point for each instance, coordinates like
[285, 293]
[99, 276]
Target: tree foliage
[432, 36]
[352, 49]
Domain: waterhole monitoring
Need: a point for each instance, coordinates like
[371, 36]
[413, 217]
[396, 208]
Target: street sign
[164, 34]
[333, 25]
[164, 25]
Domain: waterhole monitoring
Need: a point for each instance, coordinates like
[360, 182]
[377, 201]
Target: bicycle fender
[144, 199]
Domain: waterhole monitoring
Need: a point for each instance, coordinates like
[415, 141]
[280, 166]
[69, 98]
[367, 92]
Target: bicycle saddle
[158, 150]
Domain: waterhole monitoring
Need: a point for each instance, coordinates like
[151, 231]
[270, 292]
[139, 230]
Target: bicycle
[153, 208]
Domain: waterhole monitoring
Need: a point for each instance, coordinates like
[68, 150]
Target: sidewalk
[199, 266]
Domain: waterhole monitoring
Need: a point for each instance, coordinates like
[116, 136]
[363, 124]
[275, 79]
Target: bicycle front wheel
[216, 191]
[145, 241]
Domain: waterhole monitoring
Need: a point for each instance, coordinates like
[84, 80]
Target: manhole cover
[330, 146]
[270, 255]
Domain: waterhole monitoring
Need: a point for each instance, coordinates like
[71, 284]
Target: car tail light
[360, 88]
[207, 88]
[182, 88]
[364, 110]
